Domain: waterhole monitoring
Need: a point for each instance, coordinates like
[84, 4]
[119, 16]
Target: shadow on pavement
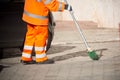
[11, 52]
[77, 54]
[2, 67]
[59, 48]
[15, 52]
[70, 55]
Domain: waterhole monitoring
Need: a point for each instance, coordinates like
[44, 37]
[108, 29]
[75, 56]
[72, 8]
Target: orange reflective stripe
[26, 59]
[35, 16]
[41, 59]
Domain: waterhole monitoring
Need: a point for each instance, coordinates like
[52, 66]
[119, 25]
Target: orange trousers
[36, 37]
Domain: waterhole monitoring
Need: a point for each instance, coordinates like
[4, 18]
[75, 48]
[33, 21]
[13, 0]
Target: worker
[36, 16]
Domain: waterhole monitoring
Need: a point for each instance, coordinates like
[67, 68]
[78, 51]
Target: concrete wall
[106, 13]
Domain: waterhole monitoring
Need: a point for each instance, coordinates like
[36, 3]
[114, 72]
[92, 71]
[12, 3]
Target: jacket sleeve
[54, 5]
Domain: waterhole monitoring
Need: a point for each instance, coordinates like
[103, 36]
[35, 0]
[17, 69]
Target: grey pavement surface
[72, 61]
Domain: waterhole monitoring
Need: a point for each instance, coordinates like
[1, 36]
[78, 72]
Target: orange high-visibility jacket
[36, 11]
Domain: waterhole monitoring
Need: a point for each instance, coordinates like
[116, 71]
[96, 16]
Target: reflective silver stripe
[28, 47]
[60, 6]
[26, 55]
[40, 48]
[40, 55]
[47, 1]
[45, 48]
[35, 16]
[39, 0]
[69, 7]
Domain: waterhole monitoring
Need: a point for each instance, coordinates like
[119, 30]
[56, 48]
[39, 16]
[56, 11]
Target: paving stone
[72, 61]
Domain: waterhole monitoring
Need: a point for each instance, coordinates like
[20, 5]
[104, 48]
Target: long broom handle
[78, 27]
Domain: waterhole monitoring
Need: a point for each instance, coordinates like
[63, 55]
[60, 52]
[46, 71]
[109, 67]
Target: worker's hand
[68, 7]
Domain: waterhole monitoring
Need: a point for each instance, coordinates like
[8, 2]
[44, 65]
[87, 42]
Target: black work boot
[27, 62]
[48, 61]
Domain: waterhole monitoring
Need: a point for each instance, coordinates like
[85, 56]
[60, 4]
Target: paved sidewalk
[72, 62]
[66, 32]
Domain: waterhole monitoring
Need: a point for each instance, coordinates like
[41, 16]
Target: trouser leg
[28, 44]
[40, 43]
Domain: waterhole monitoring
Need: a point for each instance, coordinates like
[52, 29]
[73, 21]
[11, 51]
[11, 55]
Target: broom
[91, 53]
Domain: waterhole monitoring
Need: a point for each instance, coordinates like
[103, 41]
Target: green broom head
[93, 55]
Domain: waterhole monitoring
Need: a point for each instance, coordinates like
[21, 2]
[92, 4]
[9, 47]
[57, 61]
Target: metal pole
[78, 27]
